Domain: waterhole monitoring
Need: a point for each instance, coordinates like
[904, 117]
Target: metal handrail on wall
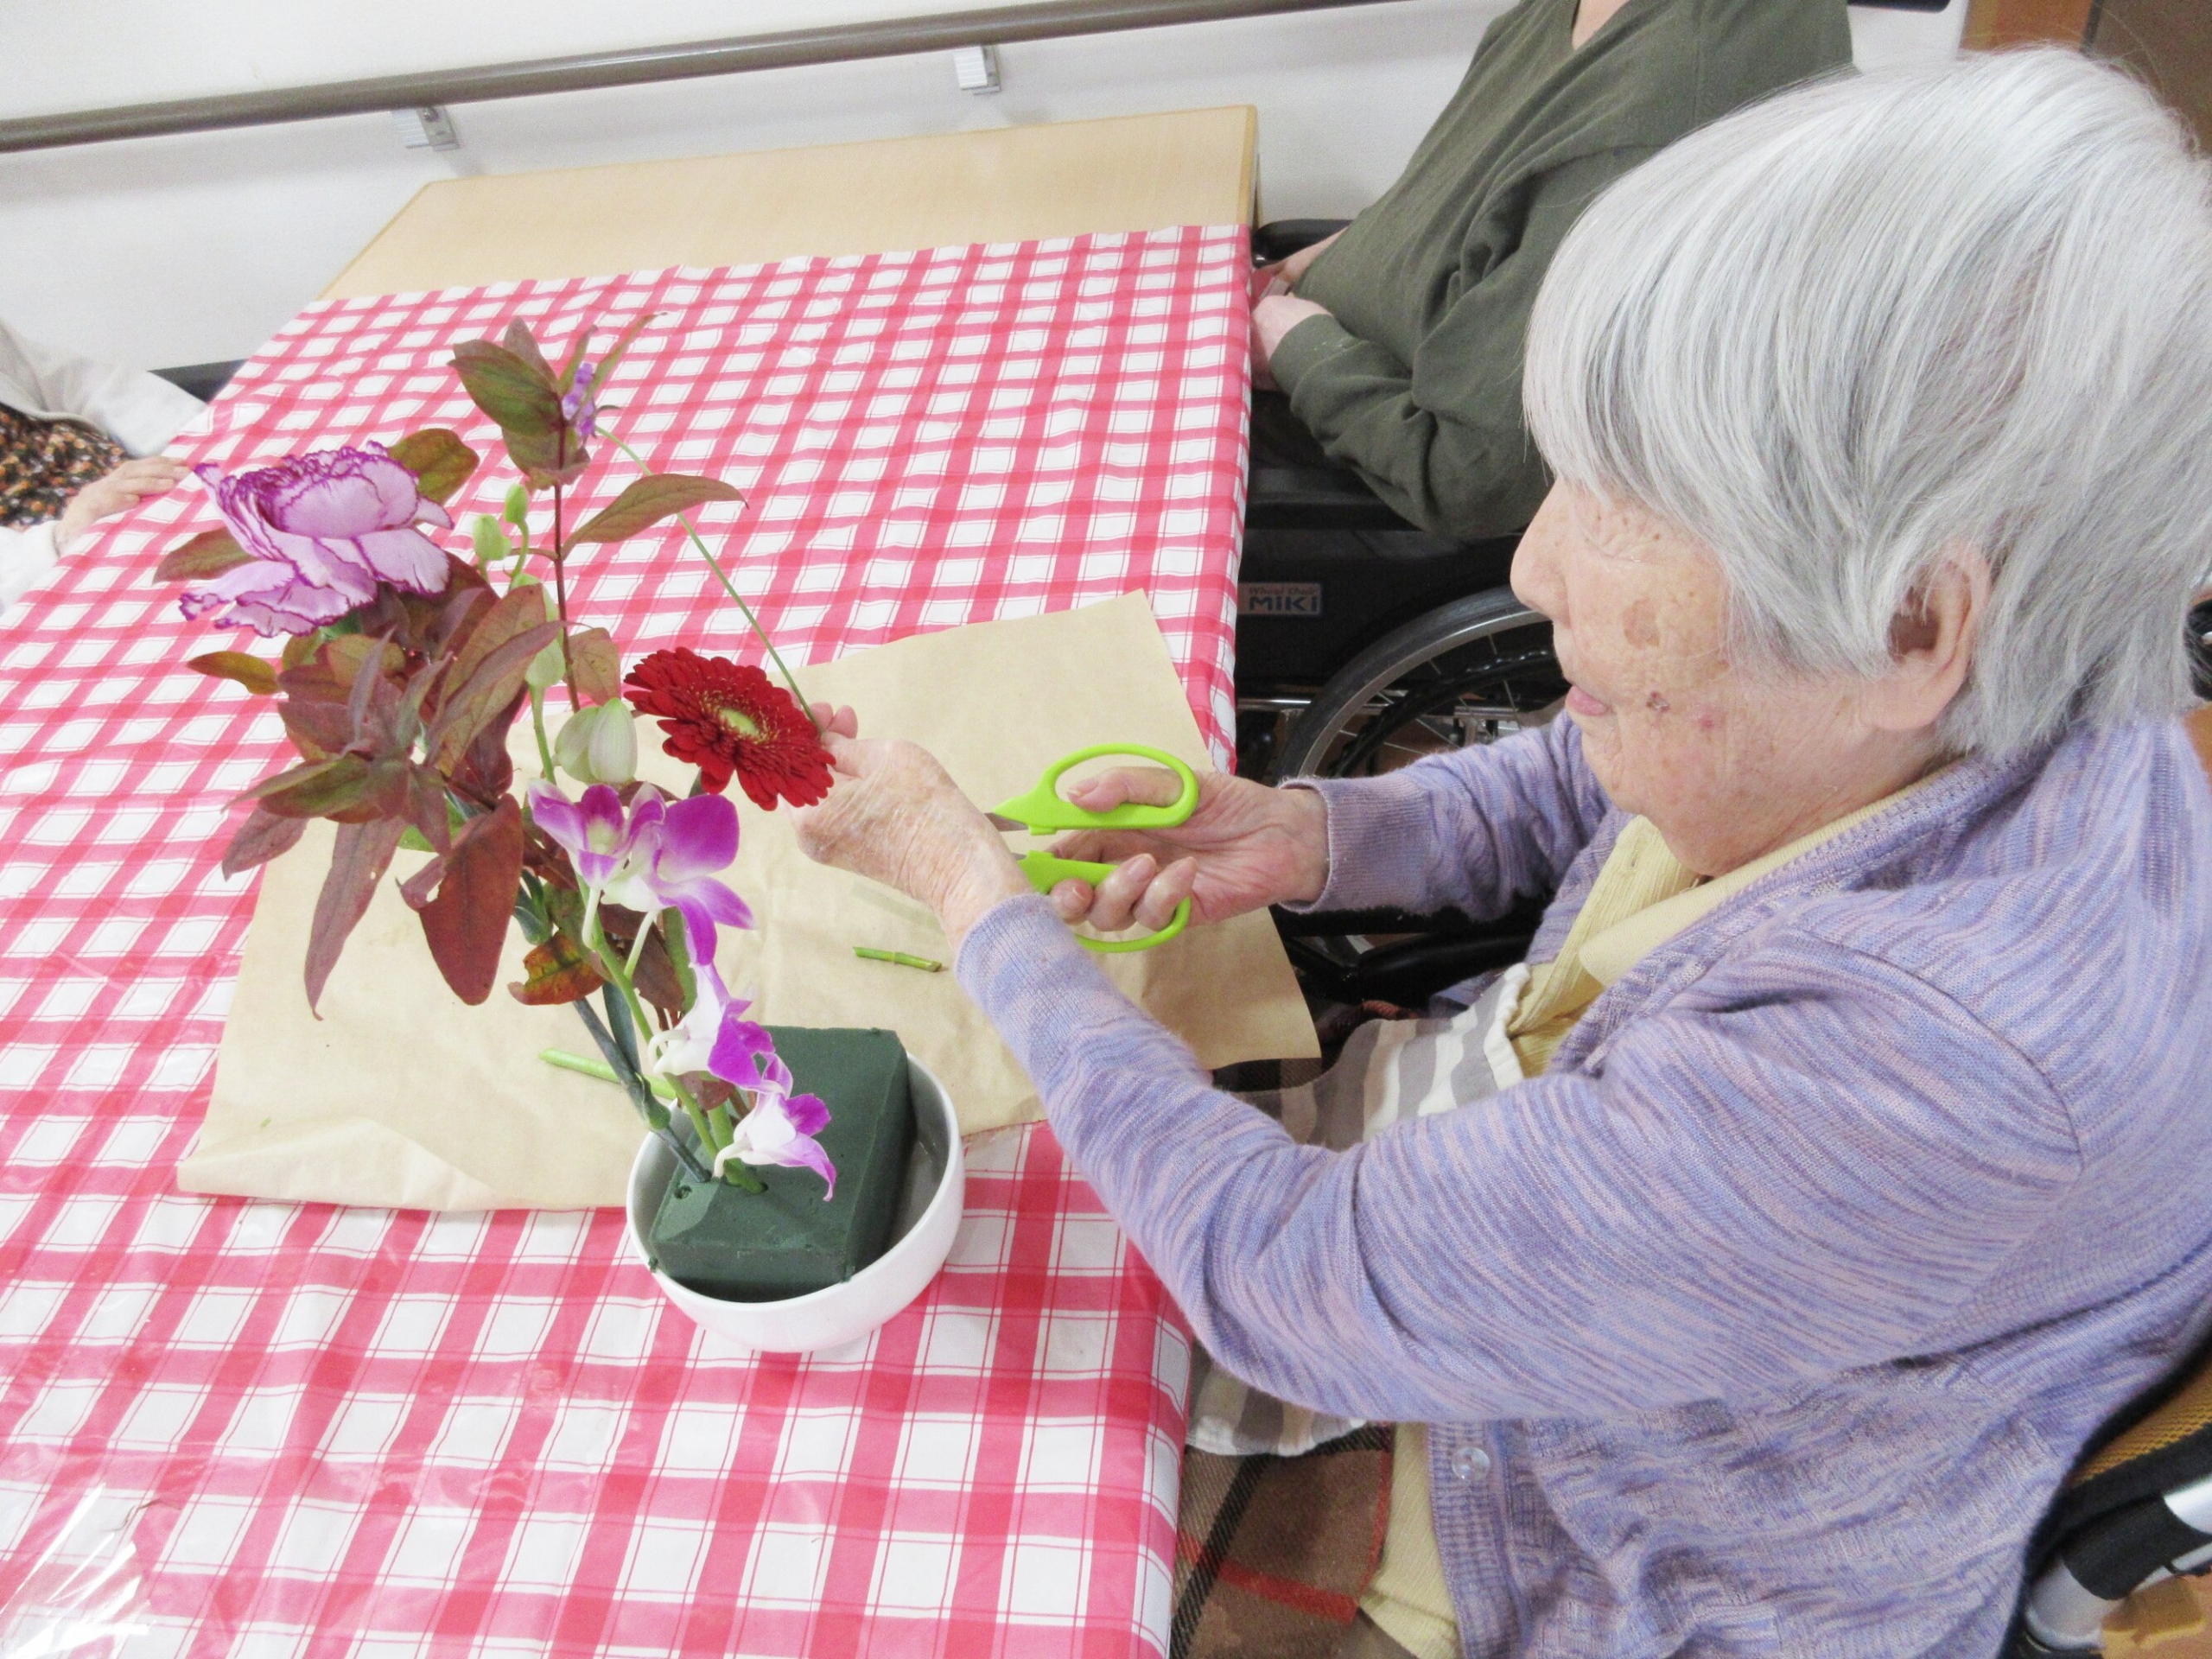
[836, 43]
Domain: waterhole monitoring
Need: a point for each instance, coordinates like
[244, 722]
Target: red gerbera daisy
[729, 718]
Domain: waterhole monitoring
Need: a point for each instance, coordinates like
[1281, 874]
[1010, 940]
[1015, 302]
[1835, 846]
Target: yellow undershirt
[1642, 897]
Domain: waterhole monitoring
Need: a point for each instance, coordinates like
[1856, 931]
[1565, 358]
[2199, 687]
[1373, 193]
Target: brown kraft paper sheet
[402, 1096]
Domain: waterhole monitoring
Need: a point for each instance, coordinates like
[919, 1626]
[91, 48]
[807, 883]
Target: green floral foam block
[787, 1241]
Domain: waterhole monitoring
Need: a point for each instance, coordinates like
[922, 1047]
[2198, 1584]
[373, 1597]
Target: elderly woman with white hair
[1854, 1163]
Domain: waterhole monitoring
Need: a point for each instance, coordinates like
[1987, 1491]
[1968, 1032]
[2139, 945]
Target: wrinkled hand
[1272, 318]
[1244, 848]
[896, 817]
[120, 490]
[1283, 276]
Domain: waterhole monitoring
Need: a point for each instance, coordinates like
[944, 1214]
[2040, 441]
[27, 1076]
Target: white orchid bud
[613, 743]
[598, 746]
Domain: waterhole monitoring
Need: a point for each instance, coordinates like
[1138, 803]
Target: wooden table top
[1131, 173]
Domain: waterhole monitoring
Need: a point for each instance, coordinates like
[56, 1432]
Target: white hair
[1875, 321]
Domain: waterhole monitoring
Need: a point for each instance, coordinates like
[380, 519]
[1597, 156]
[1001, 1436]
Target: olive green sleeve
[1442, 440]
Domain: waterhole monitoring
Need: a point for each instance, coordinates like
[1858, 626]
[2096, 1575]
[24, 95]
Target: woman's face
[1727, 765]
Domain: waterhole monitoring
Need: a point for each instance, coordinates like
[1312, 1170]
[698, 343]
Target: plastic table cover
[251, 1428]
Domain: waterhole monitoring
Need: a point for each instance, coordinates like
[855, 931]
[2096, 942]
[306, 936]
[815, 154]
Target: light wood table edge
[1244, 191]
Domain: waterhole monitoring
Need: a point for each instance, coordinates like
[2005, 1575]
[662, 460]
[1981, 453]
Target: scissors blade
[1000, 820]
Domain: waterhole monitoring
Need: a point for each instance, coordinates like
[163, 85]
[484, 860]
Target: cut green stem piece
[869, 953]
[567, 1062]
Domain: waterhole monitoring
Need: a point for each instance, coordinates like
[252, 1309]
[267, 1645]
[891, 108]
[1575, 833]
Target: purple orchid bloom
[676, 849]
[577, 406]
[596, 833]
[322, 529]
[781, 1127]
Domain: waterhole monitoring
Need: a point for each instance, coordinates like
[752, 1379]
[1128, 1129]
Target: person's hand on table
[896, 817]
[1245, 846]
[1272, 318]
[119, 492]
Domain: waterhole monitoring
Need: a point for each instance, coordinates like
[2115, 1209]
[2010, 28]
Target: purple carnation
[322, 529]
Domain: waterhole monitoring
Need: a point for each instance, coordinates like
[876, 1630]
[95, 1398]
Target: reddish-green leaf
[650, 499]
[318, 729]
[558, 456]
[490, 626]
[346, 788]
[348, 652]
[598, 664]
[558, 972]
[260, 838]
[442, 463]
[486, 771]
[426, 807]
[467, 923]
[494, 689]
[566, 374]
[614, 352]
[255, 673]
[315, 789]
[208, 554]
[363, 855]
[518, 340]
[516, 393]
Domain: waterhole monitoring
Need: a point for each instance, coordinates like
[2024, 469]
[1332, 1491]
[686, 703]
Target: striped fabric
[1389, 1071]
[1768, 1320]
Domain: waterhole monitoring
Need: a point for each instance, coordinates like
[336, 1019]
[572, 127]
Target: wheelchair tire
[1484, 658]
[1471, 671]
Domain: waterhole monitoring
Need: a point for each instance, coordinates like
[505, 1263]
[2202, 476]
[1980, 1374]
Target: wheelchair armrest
[202, 380]
[1280, 237]
[1315, 497]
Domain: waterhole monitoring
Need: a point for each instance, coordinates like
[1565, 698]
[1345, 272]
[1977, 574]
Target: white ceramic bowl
[936, 1188]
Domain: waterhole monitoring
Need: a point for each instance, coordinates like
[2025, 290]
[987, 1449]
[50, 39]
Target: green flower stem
[560, 571]
[538, 720]
[618, 973]
[730, 587]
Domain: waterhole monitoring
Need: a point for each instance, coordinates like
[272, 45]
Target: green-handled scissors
[1042, 810]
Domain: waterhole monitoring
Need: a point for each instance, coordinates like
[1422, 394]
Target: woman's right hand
[1243, 848]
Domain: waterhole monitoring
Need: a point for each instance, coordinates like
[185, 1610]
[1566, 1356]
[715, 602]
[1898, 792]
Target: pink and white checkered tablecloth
[318, 1431]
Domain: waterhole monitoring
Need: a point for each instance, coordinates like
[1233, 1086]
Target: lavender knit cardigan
[1769, 1319]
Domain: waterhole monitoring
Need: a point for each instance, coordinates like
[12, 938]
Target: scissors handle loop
[1042, 809]
[1046, 872]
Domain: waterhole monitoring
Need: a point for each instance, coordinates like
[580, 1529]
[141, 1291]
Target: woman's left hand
[896, 817]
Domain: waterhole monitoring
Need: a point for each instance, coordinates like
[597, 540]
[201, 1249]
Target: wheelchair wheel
[1471, 672]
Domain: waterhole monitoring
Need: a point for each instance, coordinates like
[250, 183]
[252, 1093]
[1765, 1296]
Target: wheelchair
[1363, 643]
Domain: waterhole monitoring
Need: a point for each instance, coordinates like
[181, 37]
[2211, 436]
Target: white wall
[195, 247]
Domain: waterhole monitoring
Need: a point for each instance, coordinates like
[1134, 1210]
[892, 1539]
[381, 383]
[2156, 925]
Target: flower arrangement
[403, 669]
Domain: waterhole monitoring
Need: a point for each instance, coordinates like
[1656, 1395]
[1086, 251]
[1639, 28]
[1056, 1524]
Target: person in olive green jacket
[1398, 341]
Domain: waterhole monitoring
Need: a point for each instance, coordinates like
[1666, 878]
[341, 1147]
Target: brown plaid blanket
[1272, 1553]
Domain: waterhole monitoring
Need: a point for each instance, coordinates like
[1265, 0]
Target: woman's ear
[1932, 640]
